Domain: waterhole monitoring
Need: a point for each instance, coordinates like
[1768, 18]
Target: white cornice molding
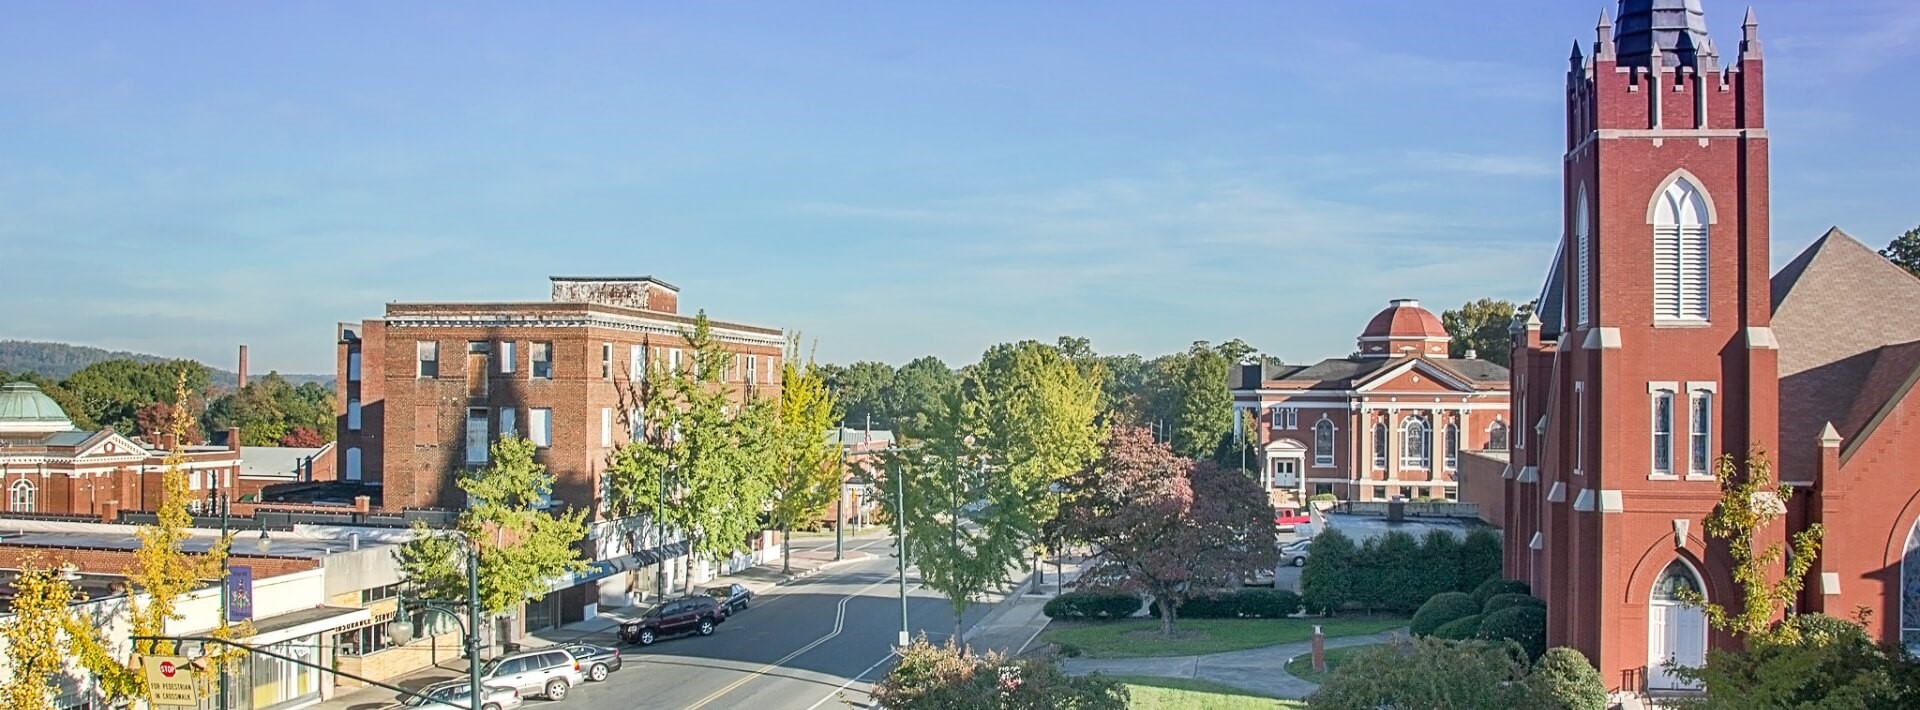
[634, 325]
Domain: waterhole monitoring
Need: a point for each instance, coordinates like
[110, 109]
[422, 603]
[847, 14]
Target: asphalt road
[811, 645]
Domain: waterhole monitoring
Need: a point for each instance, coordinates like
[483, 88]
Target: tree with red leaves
[303, 438]
[153, 423]
[1164, 525]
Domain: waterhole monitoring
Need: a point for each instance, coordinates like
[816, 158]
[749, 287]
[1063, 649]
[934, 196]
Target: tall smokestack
[243, 368]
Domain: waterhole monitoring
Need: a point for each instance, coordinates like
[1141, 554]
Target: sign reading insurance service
[171, 681]
[239, 593]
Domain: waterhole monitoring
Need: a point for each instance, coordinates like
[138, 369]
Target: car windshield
[491, 666]
[720, 591]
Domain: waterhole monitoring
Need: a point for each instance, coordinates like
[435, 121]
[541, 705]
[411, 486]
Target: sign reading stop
[172, 683]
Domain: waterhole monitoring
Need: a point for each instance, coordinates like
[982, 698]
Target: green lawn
[1302, 666]
[1141, 637]
[1187, 694]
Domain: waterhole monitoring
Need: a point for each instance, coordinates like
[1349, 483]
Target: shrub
[1323, 498]
[1565, 679]
[1427, 673]
[1439, 563]
[1098, 605]
[1401, 572]
[1811, 660]
[1442, 608]
[1461, 629]
[947, 677]
[1497, 585]
[1268, 603]
[1524, 624]
[1327, 582]
[1501, 601]
[1479, 559]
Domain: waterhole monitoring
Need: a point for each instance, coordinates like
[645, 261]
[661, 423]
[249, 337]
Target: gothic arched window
[1415, 445]
[1323, 443]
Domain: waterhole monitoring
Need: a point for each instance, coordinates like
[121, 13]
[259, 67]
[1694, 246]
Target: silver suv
[547, 673]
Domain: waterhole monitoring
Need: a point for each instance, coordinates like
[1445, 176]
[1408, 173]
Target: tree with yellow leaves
[163, 572]
[44, 630]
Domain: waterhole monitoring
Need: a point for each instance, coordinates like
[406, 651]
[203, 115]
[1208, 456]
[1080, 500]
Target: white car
[1294, 554]
[452, 695]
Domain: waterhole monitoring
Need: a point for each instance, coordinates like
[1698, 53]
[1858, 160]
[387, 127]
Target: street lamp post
[900, 538]
[401, 629]
[840, 501]
[226, 573]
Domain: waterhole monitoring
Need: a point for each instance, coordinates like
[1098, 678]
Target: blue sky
[891, 179]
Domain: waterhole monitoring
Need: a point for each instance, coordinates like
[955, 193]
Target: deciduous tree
[1480, 326]
[44, 630]
[1904, 250]
[1750, 501]
[807, 471]
[110, 393]
[1166, 525]
[522, 546]
[1203, 408]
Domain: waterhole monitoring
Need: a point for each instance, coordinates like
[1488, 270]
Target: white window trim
[533, 371]
[1380, 433]
[606, 427]
[637, 363]
[508, 425]
[606, 362]
[1691, 245]
[540, 427]
[1695, 392]
[420, 362]
[1450, 442]
[1419, 458]
[1653, 418]
[507, 353]
[1579, 426]
[15, 497]
[1327, 458]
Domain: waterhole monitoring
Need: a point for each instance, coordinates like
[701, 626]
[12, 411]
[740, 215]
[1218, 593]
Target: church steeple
[1673, 30]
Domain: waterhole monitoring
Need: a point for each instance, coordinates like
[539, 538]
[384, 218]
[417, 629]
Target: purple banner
[239, 594]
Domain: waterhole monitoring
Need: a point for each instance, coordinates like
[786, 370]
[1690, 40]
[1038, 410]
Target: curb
[1000, 608]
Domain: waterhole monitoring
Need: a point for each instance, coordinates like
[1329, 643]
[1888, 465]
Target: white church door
[1676, 631]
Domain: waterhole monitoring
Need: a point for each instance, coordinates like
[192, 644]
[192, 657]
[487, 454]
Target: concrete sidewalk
[1258, 670]
[1018, 618]
[600, 629]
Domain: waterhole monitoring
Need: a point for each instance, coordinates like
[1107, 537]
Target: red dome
[1404, 318]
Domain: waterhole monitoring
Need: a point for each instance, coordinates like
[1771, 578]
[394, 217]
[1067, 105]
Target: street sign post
[172, 682]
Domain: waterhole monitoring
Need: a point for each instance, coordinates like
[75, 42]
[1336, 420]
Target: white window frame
[1323, 451]
[540, 427]
[1579, 426]
[1452, 443]
[606, 361]
[1681, 245]
[1506, 435]
[480, 455]
[1420, 456]
[22, 496]
[753, 368]
[1700, 431]
[637, 363]
[606, 427]
[1380, 430]
[506, 348]
[673, 360]
[1661, 395]
[636, 423]
[425, 351]
[508, 425]
[353, 415]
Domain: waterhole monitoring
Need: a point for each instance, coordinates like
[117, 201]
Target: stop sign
[166, 668]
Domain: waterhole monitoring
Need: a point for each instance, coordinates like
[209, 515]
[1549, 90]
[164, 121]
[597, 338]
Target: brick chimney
[233, 439]
[243, 369]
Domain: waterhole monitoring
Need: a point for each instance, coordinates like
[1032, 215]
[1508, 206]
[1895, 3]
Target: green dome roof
[23, 407]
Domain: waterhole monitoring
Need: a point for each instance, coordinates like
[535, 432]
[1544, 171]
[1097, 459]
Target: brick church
[1661, 342]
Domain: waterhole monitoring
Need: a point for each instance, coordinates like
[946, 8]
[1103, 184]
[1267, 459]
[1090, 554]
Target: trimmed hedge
[1524, 624]
[1465, 628]
[1442, 608]
[1564, 676]
[1092, 605]
[1496, 585]
[1243, 604]
[1510, 599]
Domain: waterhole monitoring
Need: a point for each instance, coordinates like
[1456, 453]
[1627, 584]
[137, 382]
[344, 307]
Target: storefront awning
[305, 622]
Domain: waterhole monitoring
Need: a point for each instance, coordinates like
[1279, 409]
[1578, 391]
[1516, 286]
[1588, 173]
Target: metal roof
[1678, 28]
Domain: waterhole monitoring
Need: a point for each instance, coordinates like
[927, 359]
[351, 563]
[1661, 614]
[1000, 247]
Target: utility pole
[473, 623]
[840, 500]
[900, 538]
[226, 591]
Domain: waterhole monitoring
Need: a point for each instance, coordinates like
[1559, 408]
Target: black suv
[686, 615]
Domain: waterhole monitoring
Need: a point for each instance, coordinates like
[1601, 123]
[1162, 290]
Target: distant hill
[58, 360]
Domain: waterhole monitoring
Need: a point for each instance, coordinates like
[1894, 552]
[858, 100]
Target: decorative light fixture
[265, 541]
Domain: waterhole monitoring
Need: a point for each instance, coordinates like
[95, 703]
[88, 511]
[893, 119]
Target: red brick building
[425, 390]
[1388, 421]
[49, 467]
[1661, 343]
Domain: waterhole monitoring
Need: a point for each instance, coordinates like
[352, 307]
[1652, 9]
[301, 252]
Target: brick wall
[104, 561]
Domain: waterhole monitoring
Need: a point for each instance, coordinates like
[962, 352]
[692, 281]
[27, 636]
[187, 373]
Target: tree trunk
[786, 550]
[958, 613]
[1166, 617]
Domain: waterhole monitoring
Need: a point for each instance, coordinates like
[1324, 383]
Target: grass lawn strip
[1148, 693]
[1137, 638]
[1302, 666]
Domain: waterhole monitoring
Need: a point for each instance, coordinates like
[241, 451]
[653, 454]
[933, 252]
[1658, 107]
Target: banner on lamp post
[239, 591]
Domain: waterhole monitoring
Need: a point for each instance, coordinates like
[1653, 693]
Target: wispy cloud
[1485, 164]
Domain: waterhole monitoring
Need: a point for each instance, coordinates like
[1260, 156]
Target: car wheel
[743, 605]
[490, 706]
[706, 627]
[646, 637]
[597, 673]
[556, 689]
[1299, 561]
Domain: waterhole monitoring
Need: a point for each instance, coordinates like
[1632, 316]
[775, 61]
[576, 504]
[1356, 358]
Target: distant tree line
[138, 398]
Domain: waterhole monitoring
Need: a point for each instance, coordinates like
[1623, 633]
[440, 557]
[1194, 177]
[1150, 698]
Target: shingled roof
[1848, 328]
[1345, 372]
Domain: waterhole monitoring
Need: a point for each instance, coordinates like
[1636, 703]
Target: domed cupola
[24, 409]
[1404, 329]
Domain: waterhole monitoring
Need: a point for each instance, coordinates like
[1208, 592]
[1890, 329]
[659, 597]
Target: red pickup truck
[1288, 518]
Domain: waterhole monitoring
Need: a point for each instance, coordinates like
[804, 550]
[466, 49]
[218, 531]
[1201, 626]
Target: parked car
[686, 615]
[452, 695]
[1295, 553]
[549, 673]
[598, 661]
[733, 596]
[1263, 578]
[1290, 518]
